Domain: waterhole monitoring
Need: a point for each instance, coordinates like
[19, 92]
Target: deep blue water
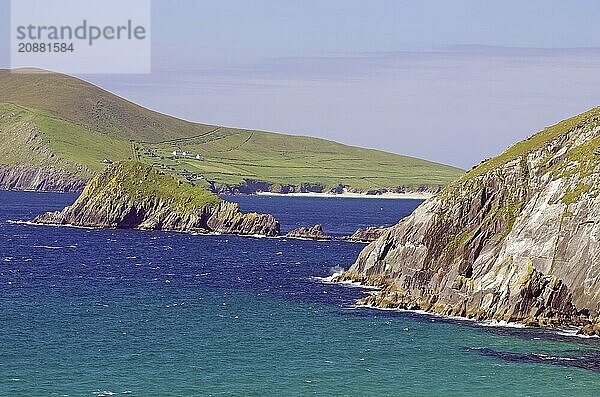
[94, 312]
[339, 216]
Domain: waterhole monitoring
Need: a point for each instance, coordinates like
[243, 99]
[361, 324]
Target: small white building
[199, 157]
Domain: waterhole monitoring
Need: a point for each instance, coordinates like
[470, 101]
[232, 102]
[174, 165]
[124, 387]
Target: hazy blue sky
[451, 81]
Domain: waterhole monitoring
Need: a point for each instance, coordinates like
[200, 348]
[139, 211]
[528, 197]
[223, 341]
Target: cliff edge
[131, 195]
[516, 239]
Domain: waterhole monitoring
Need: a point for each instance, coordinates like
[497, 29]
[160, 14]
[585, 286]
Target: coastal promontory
[132, 195]
[516, 239]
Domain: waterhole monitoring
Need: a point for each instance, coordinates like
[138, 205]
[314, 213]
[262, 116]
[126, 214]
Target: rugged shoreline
[389, 297]
[49, 179]
[515, 239]
[45, 179]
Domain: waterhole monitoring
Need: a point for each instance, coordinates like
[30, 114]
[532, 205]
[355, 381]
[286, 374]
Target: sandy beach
[412, 195]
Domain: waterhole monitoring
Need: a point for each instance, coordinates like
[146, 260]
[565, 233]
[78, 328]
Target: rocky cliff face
[40, 179]
[516, 239]
[131, 195]
[250, 186]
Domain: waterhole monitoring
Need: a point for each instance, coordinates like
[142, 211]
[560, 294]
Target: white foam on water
[572, 332]
[338, 270]
[49, 247]
[547, 357]
[30, 223]
[501, 323]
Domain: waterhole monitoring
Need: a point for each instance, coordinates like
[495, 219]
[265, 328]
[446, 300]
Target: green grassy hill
[54, 120]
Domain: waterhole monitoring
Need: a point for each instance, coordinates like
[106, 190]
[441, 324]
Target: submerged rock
[313, 233]
[131, 195]
[590, 330]
[515, 239]
[366, 235]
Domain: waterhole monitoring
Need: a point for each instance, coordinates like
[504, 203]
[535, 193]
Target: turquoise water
[108, 312]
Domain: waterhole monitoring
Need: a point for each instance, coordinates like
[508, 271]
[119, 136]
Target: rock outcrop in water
[366, 235]
[312, 233]
[131, 195]
[516, 239]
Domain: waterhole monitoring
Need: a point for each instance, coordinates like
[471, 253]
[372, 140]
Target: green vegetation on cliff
[541, 139]
[144, 183]
[74, 126]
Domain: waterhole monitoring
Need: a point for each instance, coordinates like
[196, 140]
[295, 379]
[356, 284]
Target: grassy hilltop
[54, 120]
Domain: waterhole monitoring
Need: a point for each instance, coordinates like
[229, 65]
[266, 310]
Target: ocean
[89, 312]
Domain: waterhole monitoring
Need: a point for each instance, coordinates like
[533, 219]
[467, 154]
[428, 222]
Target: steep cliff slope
[516, 239]
[131, 195]
[27, 160]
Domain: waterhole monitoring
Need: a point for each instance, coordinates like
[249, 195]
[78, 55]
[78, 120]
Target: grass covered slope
[88, 105]
[143, 183]
[132, 195]
[38, 138]
[79, 125]
[542, 139]
[290, 163]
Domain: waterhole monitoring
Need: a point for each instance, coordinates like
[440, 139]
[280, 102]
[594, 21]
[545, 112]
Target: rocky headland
[315, 232]
[516, 239]
[131, 195]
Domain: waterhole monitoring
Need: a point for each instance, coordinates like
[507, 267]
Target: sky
[453, 82]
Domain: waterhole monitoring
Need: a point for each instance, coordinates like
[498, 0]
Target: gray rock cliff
[516, 239]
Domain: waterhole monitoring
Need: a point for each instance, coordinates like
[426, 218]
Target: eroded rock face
[222, 218]
[366, 235]
[516, 239]
[39, 179]
[313, 233]
[112, 199]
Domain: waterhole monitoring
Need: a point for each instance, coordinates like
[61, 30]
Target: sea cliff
[516, 239]
[21, 177]
[131, 195]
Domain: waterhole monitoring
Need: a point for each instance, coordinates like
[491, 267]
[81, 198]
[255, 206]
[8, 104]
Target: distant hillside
[56, 130]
